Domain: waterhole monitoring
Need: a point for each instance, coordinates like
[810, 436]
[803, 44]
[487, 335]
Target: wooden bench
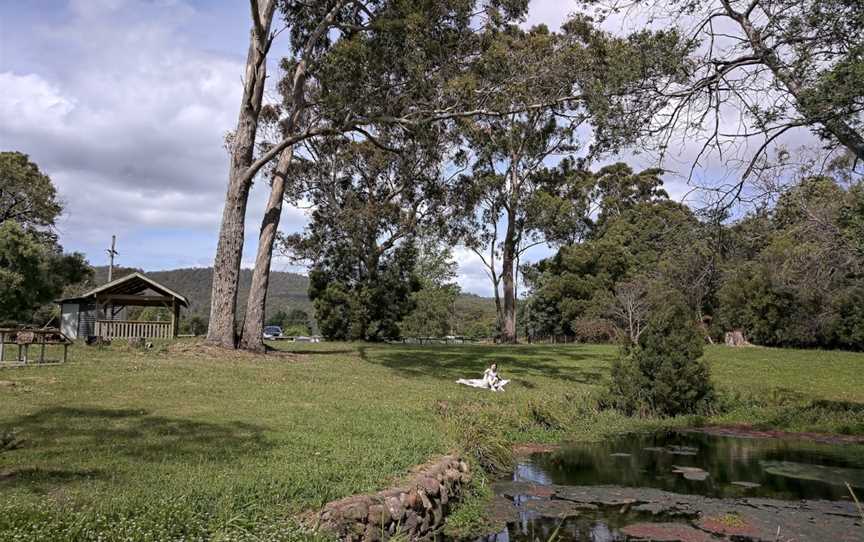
[24, 339]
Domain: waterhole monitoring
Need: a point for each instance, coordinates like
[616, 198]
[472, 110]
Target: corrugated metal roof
[129, 285]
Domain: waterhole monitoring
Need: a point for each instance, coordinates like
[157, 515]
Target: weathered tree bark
[508, 259]
[253, 324]
[229, 250]
[252, 337]
[508, 331]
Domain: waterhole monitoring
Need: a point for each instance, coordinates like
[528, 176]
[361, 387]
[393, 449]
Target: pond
[585, 491]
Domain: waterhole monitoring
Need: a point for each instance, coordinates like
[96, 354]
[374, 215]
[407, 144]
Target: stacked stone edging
[416, 509]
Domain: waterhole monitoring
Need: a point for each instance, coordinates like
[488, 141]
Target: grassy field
[192, 444]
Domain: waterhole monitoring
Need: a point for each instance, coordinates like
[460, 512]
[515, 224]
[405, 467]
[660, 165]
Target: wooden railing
[128, 329]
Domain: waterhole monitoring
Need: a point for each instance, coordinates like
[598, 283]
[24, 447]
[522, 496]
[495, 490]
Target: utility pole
[111, 253]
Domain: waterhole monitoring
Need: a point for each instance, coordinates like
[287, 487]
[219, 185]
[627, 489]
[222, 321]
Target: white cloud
[129, 122]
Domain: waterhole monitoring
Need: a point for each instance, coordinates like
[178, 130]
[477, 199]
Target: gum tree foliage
[33, 268]
[802, 283]
[353, 63]
[761, 69]
[368, 205]
[787, 275]
[27, 196]
[435, 302]
[636, 227]
[33, 272]
[520, 191]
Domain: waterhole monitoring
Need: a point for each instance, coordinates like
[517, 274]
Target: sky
[125, 105]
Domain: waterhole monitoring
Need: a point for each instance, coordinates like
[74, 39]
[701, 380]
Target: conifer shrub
[663, 375]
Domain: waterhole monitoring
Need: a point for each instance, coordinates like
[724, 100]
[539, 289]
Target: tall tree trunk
[253, 323]
[252, 337]
[229, 250]
[508, 255]
[499, 310]
[508, 260]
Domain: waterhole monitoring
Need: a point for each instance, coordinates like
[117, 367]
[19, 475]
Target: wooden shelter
[101, 312]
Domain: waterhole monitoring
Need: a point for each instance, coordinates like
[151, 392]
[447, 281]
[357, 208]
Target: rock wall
[416, 509]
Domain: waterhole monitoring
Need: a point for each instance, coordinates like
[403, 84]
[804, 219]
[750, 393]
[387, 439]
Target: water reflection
[695, 463]
[690, 463]
[587, 529]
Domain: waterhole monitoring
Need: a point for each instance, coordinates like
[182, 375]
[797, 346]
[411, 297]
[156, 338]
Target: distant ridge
[287, 290]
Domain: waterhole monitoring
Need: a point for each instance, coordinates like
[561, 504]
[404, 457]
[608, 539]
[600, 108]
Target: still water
[706, 465]
[684, 463]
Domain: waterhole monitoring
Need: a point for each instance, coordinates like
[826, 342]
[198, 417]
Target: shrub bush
[662, 375]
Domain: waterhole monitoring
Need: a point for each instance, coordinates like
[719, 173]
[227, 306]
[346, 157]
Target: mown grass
[121, 444]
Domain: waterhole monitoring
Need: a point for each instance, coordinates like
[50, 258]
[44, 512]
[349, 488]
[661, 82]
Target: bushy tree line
[34, 270]
[294, 322]
[787, 275]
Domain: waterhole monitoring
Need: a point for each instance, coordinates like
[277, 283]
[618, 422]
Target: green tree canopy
[27, 195]
[33, 272]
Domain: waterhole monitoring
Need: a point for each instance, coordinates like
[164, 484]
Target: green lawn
[132, 445]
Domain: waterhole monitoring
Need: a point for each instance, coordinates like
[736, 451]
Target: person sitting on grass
[490, 381]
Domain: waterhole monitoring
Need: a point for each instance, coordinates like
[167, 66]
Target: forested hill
[287, 290]
[475, 315]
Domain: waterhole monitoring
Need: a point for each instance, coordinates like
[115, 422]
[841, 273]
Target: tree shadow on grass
[130, 434]
[517, 363]
[301, 351]
[43, 479]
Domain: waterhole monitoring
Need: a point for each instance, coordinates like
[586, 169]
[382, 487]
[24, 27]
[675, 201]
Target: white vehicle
[272, 332]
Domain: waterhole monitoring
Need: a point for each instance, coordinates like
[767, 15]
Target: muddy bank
[746, 431]
[651, 514]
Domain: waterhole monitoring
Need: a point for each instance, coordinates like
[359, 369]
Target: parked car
[272, 332]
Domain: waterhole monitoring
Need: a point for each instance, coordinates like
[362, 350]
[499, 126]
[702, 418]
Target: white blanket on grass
[490, 381]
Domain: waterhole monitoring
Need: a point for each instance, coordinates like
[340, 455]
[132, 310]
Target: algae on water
[837, 476]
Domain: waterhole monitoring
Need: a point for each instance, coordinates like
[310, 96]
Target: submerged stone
[691, 473]
[731, 525]
[666, 532]
[551, 508]
[682, 450]
[502, 511]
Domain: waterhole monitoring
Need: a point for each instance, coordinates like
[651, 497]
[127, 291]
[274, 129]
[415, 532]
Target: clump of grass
[542, 414]
[480, 435]
[790, 410]
[9, 440]
[470, 518]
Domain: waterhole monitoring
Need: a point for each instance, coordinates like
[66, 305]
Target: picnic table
[24, 339]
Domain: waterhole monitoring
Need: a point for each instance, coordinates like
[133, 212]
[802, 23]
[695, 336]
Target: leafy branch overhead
[760, 69]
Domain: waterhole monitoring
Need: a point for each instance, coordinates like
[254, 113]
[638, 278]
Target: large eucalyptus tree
[354, 64]
[525, 187]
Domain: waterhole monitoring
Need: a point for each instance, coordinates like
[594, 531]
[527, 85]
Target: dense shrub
[663, 375]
